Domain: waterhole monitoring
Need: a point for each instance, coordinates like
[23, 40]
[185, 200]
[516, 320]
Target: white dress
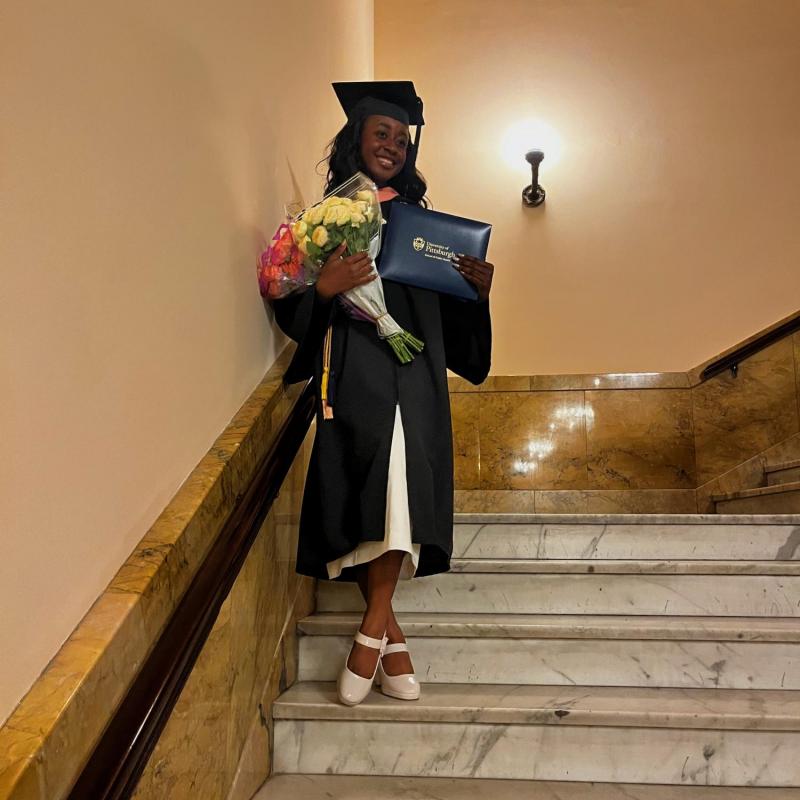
[397, 529]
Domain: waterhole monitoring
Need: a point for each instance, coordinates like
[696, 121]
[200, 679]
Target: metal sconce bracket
[534, 194]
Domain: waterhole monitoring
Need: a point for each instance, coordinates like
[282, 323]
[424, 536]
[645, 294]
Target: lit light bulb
[531, 134]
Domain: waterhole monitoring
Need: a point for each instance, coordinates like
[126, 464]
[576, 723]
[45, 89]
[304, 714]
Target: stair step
[657, 736]
[362, 787]
[717, 595]
[574, 626]
[625, 566]
[717, 537]
[719, 709]
[781, 498]
[785, 472]
[592, 655]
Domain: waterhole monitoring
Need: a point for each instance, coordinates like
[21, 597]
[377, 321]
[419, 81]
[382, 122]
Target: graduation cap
[395, 99]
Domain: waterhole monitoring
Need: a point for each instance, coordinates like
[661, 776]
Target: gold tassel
[327, 410]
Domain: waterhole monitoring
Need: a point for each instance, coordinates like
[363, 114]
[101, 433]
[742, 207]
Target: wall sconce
[534, 194]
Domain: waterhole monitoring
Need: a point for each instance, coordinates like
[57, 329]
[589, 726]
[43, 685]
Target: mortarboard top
[395, 99]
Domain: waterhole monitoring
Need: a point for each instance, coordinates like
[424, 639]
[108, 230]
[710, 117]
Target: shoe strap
[368, 641]
[398, 647]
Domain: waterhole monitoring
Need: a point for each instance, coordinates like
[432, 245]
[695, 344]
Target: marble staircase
[564, 657]
[780, 493]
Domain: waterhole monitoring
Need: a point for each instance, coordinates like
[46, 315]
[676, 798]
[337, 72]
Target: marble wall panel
[190, 759]
[655, 435]
[532, 440]
[215, 744]
[796, 343]
[603, 501]
[466, 440]
[737, 418]
[500, 501]
[640, 439]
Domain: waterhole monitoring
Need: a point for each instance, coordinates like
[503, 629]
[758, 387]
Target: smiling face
[384, 143]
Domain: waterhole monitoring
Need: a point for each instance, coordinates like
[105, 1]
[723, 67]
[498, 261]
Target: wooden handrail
[118, 760]
[732, 360]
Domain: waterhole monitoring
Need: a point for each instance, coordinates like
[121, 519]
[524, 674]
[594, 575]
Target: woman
[378, 500]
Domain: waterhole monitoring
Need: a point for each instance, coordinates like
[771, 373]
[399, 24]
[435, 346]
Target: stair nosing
[578, 626]
[515, 518]
[530, 704]
[627, 566]
[340, 787]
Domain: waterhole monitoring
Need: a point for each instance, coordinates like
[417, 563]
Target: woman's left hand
[478, 273]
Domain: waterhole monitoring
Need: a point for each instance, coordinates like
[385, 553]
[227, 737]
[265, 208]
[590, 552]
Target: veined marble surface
[362, 787]
[534, 566]
[570, 626]
[787, 474]
[717, 595]
[583, 539]
[539, 752]
[582, 662]
[629, 706]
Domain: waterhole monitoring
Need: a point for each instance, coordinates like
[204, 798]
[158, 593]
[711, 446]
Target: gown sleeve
[467, 334]
[303, 316]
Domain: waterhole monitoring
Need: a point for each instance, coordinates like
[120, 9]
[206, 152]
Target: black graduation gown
[344, 500]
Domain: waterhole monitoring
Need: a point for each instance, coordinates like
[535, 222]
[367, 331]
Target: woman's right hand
[341, 273]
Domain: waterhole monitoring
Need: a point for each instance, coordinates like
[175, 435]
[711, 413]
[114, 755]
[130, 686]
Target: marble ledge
[613, 706]
[594, 501]
[550, 383]
[65, 711]
[59, 720]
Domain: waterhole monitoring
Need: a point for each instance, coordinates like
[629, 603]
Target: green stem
[403, 343]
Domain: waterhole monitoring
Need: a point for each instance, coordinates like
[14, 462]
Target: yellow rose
[303, 245]
[316, 215]
[331, 215]
[364, 194]
[370, 215]
[356, 218]
[342, 215]
[320, 236]
[299, 229]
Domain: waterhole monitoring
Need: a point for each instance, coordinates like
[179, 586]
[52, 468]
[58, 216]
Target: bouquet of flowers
[350, 213]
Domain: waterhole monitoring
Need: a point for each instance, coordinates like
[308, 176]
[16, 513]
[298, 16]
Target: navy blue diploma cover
[419, 244]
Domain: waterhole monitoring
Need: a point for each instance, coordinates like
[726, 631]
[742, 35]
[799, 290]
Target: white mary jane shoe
[403, 687]
[353, 688]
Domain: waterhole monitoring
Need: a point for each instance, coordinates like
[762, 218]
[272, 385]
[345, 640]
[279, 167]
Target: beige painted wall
[146, 149]
[670, 228]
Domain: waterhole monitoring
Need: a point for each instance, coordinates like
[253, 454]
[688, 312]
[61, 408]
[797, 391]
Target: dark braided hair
[343, 157]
